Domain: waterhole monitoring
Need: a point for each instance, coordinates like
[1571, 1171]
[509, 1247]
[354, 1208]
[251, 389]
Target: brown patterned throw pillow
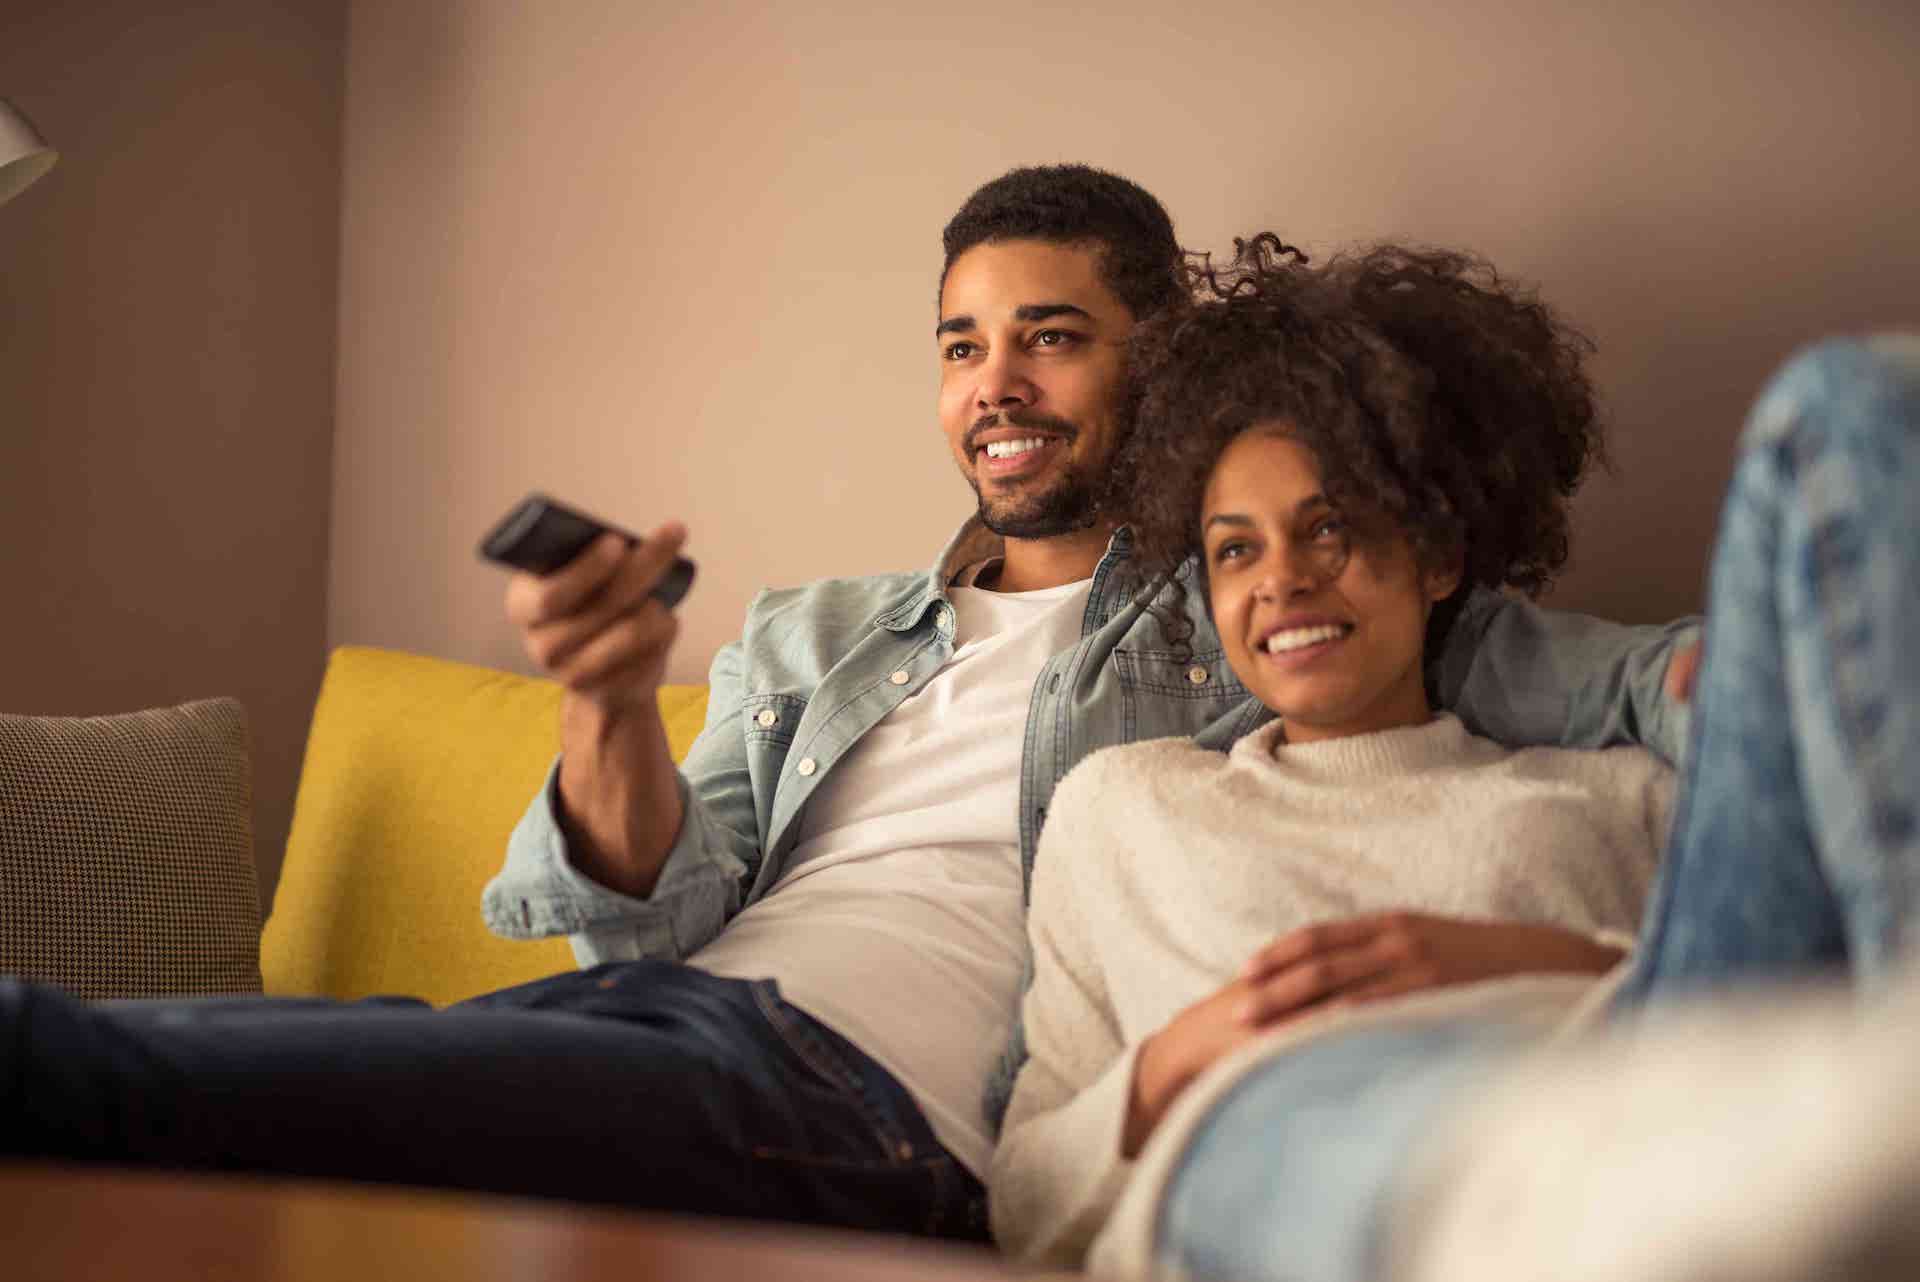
[126, 852]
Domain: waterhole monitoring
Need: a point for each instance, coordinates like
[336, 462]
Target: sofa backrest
[416, 771]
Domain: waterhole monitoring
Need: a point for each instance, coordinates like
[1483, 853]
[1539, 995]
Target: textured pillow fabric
[417, 769]
[126, 852]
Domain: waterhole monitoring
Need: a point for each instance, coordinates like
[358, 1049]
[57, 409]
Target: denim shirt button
[900, 678]
[807, 766]
[768, 717]
[1197, 674]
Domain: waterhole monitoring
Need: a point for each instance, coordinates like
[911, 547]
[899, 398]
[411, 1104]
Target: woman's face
[1327, 627]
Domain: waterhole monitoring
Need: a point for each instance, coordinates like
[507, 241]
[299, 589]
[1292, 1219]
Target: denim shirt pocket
[1168, 692]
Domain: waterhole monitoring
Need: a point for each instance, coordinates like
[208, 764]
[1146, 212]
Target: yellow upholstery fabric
[416, 771]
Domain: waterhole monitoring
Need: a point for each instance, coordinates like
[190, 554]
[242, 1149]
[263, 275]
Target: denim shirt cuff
[540, 892]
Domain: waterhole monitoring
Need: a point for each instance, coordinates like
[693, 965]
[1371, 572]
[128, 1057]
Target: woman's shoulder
[1624, 758]
[1129, 783]
[1624, 769]
[1112, 797]
[1136, 764]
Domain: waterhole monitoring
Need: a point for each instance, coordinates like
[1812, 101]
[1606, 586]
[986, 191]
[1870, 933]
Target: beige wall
[682, 263]
[166, 365]
[680, 260]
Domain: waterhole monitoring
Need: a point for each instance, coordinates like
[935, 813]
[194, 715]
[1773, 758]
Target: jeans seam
[804, 1043]
[942, 1176]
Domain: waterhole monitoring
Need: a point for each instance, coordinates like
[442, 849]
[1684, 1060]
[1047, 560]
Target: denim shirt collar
[975, 542]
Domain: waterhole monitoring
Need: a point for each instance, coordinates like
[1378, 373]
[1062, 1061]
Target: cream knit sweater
[1164, 866]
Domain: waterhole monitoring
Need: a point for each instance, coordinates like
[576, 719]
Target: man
[805, 946]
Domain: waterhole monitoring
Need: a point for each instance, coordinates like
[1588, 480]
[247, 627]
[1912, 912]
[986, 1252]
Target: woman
[1226, 1014]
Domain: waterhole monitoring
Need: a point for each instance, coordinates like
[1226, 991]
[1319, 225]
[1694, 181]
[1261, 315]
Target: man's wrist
[617, 802]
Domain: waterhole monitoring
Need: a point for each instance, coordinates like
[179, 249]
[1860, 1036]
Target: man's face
[1031, 346]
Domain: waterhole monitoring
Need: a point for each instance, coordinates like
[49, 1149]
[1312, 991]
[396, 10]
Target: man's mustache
[1039, 422]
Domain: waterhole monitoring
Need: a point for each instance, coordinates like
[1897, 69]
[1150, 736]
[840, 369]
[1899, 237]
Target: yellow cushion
[416, 771]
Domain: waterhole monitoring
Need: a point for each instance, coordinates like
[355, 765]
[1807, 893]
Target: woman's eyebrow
[1305, 505]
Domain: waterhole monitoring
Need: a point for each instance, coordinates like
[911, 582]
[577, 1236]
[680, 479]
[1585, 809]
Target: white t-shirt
[898, 923]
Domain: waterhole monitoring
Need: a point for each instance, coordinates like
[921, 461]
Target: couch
[416, 771]
[126, 848]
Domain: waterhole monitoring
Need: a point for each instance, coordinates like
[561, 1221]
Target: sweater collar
[1440, 742]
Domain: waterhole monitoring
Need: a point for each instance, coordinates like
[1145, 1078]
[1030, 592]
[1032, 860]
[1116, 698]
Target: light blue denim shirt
[817, 667]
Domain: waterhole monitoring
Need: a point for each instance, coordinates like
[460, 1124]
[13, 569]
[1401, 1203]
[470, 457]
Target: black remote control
[541, 534]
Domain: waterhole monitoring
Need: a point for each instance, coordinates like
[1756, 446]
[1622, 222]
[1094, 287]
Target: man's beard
[1067, 505]
[1070, 503]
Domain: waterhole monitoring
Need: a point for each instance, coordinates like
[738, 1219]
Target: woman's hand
[1336, 964]
[1178, 1053]
[1364, 959]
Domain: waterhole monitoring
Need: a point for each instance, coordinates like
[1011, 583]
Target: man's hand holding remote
[593, 626]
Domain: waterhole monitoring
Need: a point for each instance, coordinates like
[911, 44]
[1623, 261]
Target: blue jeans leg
[1288, 1178]
[1795, 845]
[642, 1084]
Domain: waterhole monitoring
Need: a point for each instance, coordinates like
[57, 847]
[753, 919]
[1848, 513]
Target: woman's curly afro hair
[1437, 401]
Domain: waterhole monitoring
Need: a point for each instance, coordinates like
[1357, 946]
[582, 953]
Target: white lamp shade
[24, 154]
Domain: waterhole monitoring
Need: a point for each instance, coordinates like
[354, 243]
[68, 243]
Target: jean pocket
[809, 1045]
[836, 1068]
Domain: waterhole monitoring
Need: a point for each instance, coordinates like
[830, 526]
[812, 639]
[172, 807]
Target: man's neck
[1033, 564]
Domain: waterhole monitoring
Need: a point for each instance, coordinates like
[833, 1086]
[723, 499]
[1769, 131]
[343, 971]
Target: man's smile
[1009, 449]
[1015, 457]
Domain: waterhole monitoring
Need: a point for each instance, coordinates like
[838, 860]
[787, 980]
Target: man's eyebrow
[1027, 312]
[1047, 311]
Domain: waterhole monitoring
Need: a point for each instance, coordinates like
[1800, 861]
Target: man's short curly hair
[1079, 205]
[1437, 401]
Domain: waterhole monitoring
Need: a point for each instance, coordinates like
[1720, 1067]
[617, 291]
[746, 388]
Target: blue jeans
[1794, 846]
[644, 1084]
